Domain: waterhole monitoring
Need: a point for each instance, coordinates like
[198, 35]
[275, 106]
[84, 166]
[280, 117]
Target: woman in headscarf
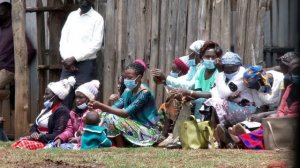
[265, 87]
[53, 118]
[231, 99]
[205, 76]
[289, 107]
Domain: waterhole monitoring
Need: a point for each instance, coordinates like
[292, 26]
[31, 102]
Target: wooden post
[21, 68]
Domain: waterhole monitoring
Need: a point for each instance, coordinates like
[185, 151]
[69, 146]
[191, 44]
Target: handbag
[279, 133]
[196, 135]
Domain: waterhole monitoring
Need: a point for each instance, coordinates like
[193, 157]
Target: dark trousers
[87, 71]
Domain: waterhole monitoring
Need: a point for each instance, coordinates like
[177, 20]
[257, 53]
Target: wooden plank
[21, 68]
[109, 51]
[225, 35]
[181, 34]
[259, 41]
[55, 23]
[267, 28]
[42, 74]
[216, 21]
[121, 36]
[163, 22]
[154, 43]
[171, 33]
[131, 31]
[275, 22]
[204, 17]
[192, 23]
[140, 28]
[241, 27]
[249, 55]
[293, 19]
[101, 8]
[147, 44]
[233, 30]
[283, 23]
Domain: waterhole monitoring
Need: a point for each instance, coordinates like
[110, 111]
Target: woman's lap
[131, 130]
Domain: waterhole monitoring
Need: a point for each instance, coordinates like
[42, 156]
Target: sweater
[94, 136]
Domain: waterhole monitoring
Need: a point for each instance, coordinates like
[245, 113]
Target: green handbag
[196, 135]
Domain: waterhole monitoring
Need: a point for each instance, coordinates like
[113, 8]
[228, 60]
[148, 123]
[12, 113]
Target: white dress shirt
[82, 35]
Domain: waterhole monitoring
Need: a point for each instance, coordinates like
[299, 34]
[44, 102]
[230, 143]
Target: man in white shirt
[81, 39]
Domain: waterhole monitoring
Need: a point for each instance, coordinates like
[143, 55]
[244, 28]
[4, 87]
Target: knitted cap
[62, 88]
[196, 46]
[89, 89]
[181, 65]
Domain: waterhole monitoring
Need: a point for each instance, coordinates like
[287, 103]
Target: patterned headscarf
[230, 58]
[255, 73]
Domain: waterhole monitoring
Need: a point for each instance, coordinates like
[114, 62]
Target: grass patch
[138, 157]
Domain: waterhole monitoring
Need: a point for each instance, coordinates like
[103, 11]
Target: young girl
[134, 116]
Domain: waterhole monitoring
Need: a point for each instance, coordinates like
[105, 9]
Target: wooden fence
[159, 30]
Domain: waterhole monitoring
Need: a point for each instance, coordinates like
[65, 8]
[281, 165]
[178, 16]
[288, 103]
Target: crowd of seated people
[207, 83]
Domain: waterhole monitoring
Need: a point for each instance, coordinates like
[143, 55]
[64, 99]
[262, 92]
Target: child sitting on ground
[94, 136]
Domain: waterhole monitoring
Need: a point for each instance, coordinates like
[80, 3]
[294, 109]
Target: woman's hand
[113, 97]
[57, 142]
[219, 65]
[234, 95]
[73, 140]
[78, 133]
[180, 91]
[158, 76]
[35, 136]
[93, 104]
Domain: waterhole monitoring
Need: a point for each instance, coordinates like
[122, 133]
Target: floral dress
[140, 127]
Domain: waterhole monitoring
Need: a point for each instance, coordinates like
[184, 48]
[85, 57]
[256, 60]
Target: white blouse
[42, 120]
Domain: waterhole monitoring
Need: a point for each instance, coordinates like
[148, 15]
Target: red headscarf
[181, 65]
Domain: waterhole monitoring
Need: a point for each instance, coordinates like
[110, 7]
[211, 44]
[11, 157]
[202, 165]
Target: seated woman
[53, 118]
[167, 110]
[265, 87]
[205, 77]
[134, 116]
[187, 81]
[204, 81]
[83, 94]
[231, 99]
[289, 107]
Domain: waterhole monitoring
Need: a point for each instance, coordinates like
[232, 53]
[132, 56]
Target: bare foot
[235, 138]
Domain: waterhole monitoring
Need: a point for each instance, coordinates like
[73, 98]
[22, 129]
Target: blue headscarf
[230, 58]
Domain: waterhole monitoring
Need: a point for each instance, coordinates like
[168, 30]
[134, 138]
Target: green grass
[138, 157]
